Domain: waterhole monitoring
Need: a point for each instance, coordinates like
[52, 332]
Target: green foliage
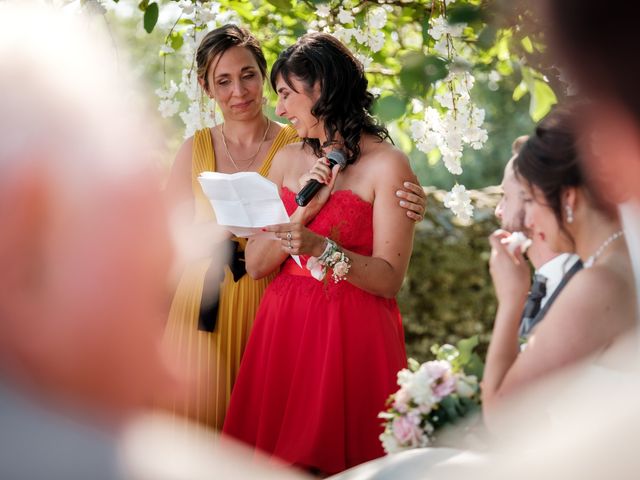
[151, 13]
[389, 107]
[448, 295]
[500, 36]
[419, 71]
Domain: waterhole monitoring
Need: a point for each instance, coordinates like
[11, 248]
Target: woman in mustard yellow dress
[209, 335]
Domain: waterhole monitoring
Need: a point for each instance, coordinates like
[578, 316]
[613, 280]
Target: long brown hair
[344, 104]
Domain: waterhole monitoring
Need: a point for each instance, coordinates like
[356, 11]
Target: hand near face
[510, 271]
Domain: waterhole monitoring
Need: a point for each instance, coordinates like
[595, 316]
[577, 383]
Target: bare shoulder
[286, 156]
[594, 294]
[287, 161]
[601, 281]
[289, 151]
[388, 162]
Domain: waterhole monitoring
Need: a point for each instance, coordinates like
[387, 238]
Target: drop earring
[569, 211]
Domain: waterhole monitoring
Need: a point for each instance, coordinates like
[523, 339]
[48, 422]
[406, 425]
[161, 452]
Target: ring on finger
[289, 237]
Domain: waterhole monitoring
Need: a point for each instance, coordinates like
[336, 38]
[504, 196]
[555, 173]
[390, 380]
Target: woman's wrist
[333, 257]
[510, 309]
[303, 215]
[321, 247]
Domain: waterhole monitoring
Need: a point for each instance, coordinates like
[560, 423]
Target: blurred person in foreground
[85, 252]
[86, 256]
[596, 307]
[553, 270]
[603, 68]
[210, 332]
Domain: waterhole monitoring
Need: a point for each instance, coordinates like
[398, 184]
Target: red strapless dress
[322, 357]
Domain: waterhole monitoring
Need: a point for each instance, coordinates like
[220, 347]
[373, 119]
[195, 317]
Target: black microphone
[304, 196]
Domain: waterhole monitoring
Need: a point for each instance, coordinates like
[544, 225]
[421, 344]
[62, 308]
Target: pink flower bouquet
[431, 395]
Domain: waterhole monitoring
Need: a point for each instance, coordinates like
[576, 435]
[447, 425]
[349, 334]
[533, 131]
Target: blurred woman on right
[596, 307]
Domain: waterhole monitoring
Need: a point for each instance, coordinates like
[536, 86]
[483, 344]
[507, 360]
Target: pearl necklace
[592, 259]
[252, 157]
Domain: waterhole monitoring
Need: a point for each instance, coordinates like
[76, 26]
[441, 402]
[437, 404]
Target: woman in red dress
[324, 354]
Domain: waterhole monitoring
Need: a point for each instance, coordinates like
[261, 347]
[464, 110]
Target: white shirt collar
[554, 270]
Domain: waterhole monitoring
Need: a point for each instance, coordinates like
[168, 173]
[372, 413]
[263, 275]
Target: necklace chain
[252, 157]
[592, 259]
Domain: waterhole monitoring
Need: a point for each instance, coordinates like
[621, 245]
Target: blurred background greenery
[447, 294]
[276, 27]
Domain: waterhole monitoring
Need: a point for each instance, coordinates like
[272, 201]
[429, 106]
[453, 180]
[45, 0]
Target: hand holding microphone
[304, 196]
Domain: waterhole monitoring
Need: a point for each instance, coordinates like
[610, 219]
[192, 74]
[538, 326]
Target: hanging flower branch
[421, 58]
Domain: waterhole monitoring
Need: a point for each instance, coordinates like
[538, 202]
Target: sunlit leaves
[419, 71]
[390, 107]
[542, 96]
[283, 5]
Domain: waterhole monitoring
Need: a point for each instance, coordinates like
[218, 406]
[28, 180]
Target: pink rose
[316, 268]
[444, 386]
[407, 432]
[340, 269]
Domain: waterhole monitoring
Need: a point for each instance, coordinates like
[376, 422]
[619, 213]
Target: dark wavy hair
[344, 104]
[550, 161]
[218, 41]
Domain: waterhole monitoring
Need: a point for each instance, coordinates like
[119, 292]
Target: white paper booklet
[244, 202]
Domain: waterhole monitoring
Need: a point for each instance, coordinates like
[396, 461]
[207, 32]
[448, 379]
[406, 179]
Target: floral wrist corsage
[334, 258]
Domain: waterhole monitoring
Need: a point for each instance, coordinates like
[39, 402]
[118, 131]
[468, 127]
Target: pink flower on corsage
[318, 271]
[340, 270]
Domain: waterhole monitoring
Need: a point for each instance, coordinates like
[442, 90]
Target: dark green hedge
[447, 293]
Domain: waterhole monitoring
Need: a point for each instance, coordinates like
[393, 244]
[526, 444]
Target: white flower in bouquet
[401, 400]
[417, 385]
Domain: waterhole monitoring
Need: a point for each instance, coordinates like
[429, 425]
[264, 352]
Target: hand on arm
[414, 200]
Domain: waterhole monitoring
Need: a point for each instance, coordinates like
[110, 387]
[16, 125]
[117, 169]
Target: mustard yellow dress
[212, 359]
